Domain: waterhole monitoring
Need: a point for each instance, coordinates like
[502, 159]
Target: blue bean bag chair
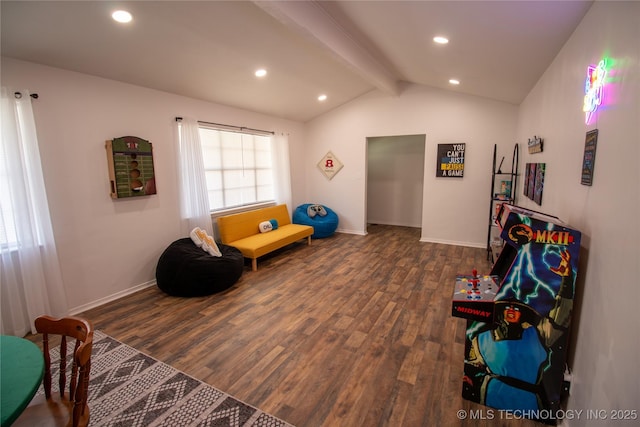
[323, 220]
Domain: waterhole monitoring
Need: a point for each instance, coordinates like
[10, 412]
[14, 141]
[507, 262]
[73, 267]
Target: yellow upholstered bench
[241, 231]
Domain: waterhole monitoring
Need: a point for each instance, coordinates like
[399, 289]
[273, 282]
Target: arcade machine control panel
[474, 296]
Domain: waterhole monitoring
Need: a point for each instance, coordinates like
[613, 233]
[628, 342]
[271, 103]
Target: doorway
[395, 180]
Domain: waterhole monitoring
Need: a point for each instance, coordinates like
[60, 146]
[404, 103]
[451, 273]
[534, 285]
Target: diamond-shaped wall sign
[330, 165]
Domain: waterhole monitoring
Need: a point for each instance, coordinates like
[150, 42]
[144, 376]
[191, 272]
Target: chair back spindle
[63, 408]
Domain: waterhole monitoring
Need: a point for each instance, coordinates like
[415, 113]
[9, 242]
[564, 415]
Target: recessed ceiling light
[454, 81]
[261, 72]
[122, 16]
[322, 97]
[441, 40]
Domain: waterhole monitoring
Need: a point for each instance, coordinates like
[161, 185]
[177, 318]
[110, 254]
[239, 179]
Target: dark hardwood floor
[350, 331]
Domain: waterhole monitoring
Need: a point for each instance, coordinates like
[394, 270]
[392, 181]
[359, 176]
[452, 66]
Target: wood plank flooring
[350, 331]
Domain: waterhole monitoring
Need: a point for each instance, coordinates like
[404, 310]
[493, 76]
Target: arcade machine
[519, 316]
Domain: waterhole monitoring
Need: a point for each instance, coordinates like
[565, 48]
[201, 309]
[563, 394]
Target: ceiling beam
[312, 20]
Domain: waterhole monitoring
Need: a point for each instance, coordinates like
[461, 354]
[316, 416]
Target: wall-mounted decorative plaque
[535, 145]
[131, 172]
[329, 165]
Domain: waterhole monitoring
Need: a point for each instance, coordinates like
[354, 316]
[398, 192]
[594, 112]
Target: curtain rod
[240, 128]
[18, 95]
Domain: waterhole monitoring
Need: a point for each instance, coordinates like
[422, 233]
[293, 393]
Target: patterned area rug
[129, 388]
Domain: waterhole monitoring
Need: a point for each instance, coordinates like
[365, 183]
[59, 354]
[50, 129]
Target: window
[7, 227]
[238, 168]
[22, 201]
[8, 234]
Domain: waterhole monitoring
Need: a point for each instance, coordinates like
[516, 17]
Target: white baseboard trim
[359, 233]
[113, 297]
[454, 243]
[394, 224]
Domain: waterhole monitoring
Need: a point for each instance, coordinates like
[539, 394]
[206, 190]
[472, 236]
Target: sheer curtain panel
[30, 276]
[282, 169]
[194, 201]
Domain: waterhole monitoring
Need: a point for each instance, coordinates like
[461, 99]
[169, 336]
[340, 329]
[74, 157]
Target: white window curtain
[192, 186]
[282, 169]
[30, 277]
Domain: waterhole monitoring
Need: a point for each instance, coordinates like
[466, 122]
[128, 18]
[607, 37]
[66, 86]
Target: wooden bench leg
[254, 264]
[309, 240]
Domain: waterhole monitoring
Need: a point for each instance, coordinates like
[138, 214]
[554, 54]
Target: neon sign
[593, 89]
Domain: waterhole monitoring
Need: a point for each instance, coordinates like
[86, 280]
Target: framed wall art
[450, 160]
[589, 157]
[538, 184]
[534, 181]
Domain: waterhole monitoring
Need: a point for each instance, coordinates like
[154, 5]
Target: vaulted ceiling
[209, 50]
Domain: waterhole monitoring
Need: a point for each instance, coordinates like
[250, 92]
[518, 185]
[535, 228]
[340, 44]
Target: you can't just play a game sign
[450, 160]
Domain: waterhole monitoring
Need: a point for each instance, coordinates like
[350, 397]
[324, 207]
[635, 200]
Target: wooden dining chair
[66, 406]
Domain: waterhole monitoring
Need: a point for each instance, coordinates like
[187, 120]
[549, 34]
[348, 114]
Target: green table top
[21, 371]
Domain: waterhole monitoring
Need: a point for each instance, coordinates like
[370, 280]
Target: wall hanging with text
[450, 160]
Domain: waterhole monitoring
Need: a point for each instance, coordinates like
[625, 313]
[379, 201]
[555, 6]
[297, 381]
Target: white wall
[454, 210]
[606, 341]
[395, 180]
[109, 247]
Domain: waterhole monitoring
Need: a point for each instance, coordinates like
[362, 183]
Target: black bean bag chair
[185, 270]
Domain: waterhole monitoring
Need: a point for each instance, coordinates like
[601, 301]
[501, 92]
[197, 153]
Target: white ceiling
[209, 50]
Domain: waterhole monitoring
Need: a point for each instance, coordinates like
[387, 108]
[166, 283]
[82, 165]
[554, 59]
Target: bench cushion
[238, 226]
[263, 243]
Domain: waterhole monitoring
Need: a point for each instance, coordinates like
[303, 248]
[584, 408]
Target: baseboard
[453, 242]
[117, 295]
[394, 224]
[345, 231]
